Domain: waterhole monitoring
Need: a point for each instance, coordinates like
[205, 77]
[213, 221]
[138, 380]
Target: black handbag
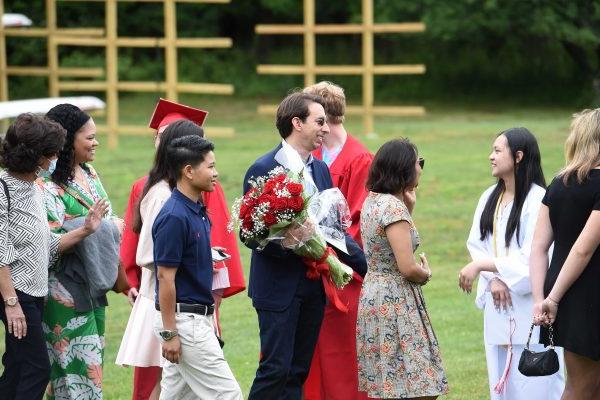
[541, 363]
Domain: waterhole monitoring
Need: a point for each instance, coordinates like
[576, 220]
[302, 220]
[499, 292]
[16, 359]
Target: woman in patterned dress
[75, 339]
[398, 352]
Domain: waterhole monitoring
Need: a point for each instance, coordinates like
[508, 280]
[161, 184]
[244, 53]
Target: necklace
[81, 179]
[495, 226]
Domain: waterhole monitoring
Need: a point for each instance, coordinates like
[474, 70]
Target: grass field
[455, 143]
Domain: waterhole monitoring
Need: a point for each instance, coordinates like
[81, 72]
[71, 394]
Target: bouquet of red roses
[276, 208]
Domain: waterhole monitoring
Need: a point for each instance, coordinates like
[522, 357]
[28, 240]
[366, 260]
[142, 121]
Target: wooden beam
[153, 1]
[97, 113]
[18, 70]
[204, 43]
[3, 63]
[26, 32]
[388, 111]
[44, 32]
[133, 130]
[139, 86]
[310, 47]
[51, 49]
[84, 86]
[278, 69]
[78, 72]
[112, 74]
[404, 27]
[367, 63]
[338, 29]
[217, 131]
[406, 69]
[15, 70]
[195, 43]
[205, 88]
[282, 29]
[267, 109]
[170, 22]
[137, 130]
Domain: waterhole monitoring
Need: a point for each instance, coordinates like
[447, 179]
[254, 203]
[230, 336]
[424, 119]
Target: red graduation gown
[333, 373]
[129, 240]
[218, 212]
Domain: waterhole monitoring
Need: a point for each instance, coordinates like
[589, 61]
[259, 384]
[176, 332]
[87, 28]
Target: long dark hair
[160, 169]
[526, 173]
[72, 119]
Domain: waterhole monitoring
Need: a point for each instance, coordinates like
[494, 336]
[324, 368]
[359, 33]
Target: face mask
[45, 173]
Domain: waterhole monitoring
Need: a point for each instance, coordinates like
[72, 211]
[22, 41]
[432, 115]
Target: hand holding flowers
[276, 209]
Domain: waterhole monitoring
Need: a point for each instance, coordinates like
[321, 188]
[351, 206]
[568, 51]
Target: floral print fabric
[75, 340]
[398, 352]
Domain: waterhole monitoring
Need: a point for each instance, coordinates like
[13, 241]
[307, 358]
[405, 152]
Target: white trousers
[519, 386]
[202, 372]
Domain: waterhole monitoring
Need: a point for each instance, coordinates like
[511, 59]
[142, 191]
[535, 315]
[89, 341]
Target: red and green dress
[75, 340]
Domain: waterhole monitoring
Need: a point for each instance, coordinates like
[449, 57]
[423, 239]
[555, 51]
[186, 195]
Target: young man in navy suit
[290, 306]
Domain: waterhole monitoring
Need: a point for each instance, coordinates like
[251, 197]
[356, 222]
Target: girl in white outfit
[500, 244]
[140, 347]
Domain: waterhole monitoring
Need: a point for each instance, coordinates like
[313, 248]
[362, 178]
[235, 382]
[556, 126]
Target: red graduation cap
[167, 112]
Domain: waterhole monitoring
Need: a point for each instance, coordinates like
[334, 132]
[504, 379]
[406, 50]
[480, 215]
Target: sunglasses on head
[421, 162]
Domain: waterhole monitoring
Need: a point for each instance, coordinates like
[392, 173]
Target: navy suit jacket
[275, 271]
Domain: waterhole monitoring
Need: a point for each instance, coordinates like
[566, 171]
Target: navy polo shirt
[181, 235]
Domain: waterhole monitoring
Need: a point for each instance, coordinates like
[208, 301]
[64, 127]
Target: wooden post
[171, 49]
[310, 51]
[367, 69]
[3, 74]
[108, 39]
[112, 78]
[52, 48]
[367, 61]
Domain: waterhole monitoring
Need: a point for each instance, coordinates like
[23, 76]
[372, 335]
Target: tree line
[544, 51]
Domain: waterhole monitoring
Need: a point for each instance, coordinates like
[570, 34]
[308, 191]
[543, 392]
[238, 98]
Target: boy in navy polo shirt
[195, 363]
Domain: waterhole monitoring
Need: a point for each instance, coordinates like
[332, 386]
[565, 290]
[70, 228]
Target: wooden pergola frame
[309, 29]
[108, 39]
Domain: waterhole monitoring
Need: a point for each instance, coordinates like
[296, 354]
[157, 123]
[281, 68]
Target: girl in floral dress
[75, 339]
[398, 352]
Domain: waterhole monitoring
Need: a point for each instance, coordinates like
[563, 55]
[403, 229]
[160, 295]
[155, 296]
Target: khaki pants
[202, 372]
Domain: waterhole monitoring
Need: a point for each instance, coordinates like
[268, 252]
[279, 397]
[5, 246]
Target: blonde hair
[582, 148]
[334, 99]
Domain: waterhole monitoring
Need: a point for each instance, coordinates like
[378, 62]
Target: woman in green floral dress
[74, 334]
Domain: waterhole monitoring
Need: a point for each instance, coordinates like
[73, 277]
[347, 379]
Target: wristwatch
[167, 335]
[11, 301]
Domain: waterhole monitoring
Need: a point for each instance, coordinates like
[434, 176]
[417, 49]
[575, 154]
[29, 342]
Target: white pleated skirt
[140, 347]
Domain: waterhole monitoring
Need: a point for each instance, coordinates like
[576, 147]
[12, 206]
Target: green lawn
[455, 142]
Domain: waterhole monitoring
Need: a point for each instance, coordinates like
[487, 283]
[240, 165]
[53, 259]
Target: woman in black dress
[567, 295]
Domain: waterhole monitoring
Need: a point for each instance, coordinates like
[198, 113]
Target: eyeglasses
[421, 162]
